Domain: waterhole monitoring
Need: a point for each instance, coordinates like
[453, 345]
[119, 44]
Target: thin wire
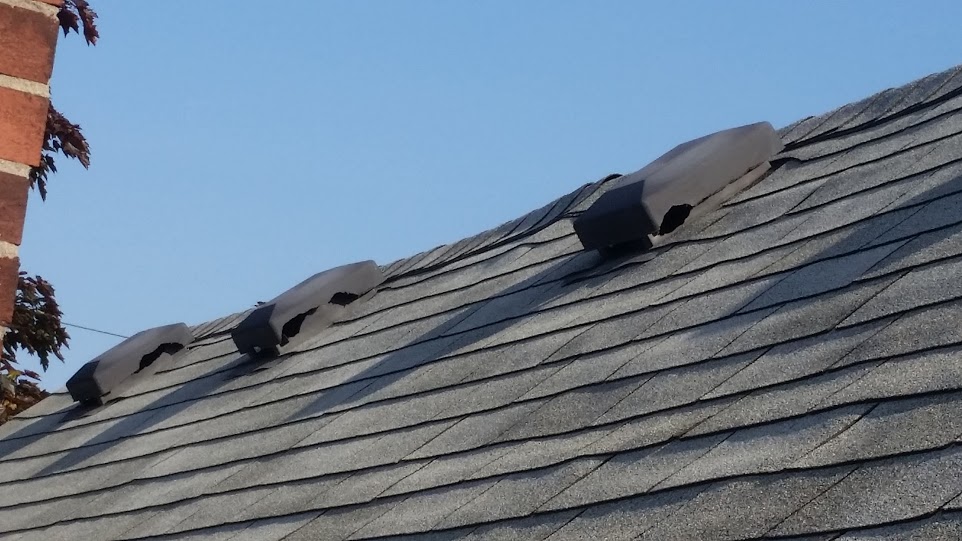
[65, 324]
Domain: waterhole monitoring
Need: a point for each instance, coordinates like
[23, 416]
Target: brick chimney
[28, 37]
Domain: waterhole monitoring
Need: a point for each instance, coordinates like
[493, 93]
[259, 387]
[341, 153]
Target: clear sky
[241, 146]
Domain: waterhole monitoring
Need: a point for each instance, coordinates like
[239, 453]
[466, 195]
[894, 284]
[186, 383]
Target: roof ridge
[883, 106]
[537, 220]
[506, 233]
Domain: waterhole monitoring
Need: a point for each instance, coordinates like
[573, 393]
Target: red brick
[22, 120]
[28, 39]
[9, 270]
[13, 206]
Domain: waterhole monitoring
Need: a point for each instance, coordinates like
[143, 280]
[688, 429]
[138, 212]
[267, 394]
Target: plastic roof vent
[659, 197]
[106, 372]
[318, 301]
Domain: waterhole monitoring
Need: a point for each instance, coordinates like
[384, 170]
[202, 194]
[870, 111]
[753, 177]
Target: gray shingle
[947, 527]
[358, 488]
[446, 470]
[339, 524]
[891, 428]
[633, 472]
[612, 333]
[936, 370]
[746, 509]
[243, 447]
[914, 331]
[882, 492]
[755, 212]
[116, 526]
[927, 88]
[535, 528]
[520, 494]
[658, 427]
[623, 520]
[871, 134]
[424, 511]
[839, 241]
[766, 448]
[676, 387]
[797, 359]
[571, 411]
[476, 430]
[878, 108]
[821, 277]
[287, 499]
[541, 453]
[847, 115]
[922, 286]
[711, 306]
[210, 511]
[141, 494]
[787, 175]
[806, 317]
[782, 401]
[803, 128]
[691, 346]
[924, 248]
[950, 86]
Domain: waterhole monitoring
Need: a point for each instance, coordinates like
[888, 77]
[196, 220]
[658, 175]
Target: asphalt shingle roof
[787, 366]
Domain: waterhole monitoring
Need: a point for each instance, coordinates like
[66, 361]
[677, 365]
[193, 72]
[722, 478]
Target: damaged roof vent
[318, 302]
[105, 373]
[689, 180]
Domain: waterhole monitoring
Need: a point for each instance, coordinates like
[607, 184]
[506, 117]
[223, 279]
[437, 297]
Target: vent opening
[673, 219]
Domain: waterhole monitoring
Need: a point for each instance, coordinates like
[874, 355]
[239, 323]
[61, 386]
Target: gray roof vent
[318, 301]
[110, 369]
[659, 197]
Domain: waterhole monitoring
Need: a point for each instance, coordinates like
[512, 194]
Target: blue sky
[239, 147]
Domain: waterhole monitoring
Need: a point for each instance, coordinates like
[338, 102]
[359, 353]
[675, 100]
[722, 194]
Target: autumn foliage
[37, 327]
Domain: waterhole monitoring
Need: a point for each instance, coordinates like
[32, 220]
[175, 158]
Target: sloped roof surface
[787, 366]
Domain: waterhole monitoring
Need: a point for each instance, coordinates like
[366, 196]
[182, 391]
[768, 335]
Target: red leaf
[68, 20]
[73, 13]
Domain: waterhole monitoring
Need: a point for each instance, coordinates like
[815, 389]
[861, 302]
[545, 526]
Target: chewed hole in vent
[292, 327]
[343, 298]
[149, 359]
[674, 218]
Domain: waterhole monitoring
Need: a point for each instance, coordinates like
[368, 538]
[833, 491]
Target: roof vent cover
[111, 368]
[658, 197]
[317, 301]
